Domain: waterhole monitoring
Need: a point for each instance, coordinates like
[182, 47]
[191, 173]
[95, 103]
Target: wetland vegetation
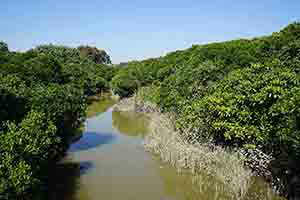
[229, 111]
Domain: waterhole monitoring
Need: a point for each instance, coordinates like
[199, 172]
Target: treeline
[241, 93]
[43, 98]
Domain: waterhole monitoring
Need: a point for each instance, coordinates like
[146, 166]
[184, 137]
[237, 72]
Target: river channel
[109, 162]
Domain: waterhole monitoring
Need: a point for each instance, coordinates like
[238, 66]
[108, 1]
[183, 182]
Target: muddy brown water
[109, 162]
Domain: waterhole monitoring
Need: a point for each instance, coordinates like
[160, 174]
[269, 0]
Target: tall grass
[204, 160]
[224, 165]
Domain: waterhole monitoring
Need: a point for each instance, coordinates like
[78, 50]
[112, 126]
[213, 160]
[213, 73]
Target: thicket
[43, 96]
[241, 93]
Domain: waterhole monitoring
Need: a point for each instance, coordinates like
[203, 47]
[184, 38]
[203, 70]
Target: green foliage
[94, 54]
[16, 177]
[63, 104]
[64, 55]
[43, 95]
[92, 78]
[12, 98]
[188, 83]
[24, 148]
[3, 47]
[84, 66]
[240, 92]
[134, 76]
[255, 105]
[80, 55]
[124, 84]
[149, 94]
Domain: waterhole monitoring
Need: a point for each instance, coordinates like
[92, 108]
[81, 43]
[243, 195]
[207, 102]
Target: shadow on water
[64, 177]
[68, 174]
[84, 167]
[137, 176]
[91, 140]
[286, 171]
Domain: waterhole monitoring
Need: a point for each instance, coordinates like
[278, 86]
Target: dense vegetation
[43, 96]
[239, 93]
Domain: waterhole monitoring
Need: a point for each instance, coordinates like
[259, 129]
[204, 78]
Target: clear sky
[138, 29]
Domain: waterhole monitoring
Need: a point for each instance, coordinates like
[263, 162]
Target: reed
[224, 165]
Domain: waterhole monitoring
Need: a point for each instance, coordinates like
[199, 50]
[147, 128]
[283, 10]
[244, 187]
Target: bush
[240, 93]
[25, 148]
[124, 85]
[94, 54]
[250, 106]
[12, 98]
[43, 95]
[3, 47]
[134, 76]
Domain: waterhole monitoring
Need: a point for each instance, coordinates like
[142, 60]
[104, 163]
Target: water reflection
[259, 189]
[124, 170]
[130, 123]
[85, 166]
[91, 140]
[187, 186]
[64, 180]
[98, 107]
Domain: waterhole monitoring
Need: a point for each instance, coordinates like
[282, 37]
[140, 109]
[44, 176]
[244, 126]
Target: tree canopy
[239, 92]
[43, 99]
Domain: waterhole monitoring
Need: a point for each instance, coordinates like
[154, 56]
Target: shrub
[240, 93]
[94, 54]
[3, 47]
[250, 106]
[25, 148]
[43, 94]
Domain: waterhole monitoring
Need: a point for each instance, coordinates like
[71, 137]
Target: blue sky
[138, 29]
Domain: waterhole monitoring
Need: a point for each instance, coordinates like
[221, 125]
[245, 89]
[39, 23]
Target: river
[109, 162]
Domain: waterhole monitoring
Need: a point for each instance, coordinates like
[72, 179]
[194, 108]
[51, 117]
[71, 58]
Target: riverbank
[110, 161]
[234, 168]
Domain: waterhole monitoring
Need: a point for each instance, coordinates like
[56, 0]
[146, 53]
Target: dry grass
[203, 159]
[125, 105]
[225, 166]
[135, 104]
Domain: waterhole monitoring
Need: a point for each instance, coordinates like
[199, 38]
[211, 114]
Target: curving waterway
[109, 162]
